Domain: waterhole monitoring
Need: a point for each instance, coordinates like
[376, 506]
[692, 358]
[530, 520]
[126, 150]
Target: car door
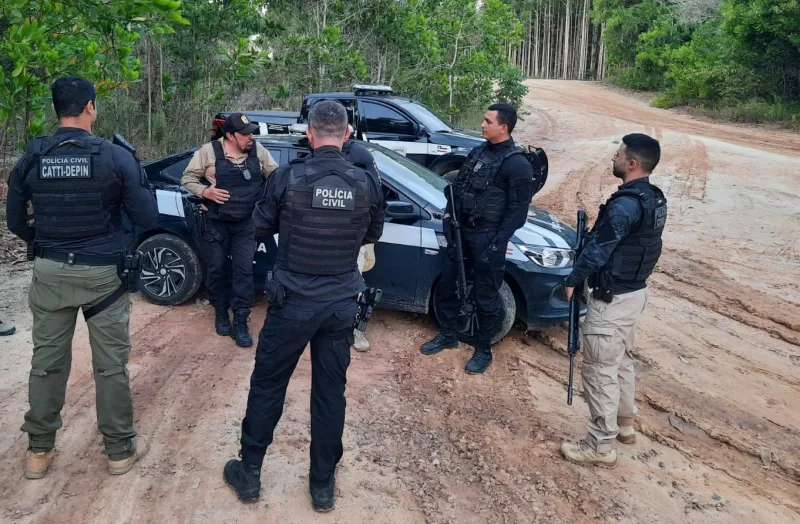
[398, 253]
[393, 129]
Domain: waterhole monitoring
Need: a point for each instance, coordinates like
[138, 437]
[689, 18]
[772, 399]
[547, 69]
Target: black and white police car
[408, 127]
[410, 255]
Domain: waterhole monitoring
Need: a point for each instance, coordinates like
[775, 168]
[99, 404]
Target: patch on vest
[661, 217]
[326, 197]
[65, 167]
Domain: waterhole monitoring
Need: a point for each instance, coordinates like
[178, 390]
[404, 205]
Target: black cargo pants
[237, 240]
[487, 269]
[287, 330]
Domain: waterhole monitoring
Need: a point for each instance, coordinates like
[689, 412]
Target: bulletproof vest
[479, 192]
[324, 218]
[243, 182]
[635, 257]
[74, 190]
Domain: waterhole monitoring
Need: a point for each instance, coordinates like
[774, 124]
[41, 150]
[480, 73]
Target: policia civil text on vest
[78, 186]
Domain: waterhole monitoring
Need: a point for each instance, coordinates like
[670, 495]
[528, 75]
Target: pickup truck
[398, 123]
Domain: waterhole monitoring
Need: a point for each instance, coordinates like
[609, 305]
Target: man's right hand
[220, 196]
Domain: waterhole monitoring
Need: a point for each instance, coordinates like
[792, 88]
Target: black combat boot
[240, 332]
[442, 341]
[244, 479]
[480, 359]
[322, 496]
[223, 321]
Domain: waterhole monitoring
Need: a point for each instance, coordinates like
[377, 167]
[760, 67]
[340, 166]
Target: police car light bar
[378, 89]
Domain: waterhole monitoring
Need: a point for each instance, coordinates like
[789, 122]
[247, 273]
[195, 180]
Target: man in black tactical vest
[78, 185]
[493, 190]
[620, 254]
[324, 209]
[235, 166]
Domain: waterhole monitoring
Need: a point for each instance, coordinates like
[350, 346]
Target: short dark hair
[328, 119]
[506, 114]
[71, 94]
[643, 148]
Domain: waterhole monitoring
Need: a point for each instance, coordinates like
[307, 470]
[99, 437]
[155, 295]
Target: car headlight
[552, 257]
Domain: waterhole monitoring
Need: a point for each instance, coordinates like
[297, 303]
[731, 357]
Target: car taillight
[216, 127]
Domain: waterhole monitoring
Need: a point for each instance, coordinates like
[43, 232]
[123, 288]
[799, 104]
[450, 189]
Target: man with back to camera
[620, 254]
[78, 185]
[235, 166]
[324, 209]
[493, 190]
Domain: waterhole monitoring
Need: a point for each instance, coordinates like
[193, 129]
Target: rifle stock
[574, 340]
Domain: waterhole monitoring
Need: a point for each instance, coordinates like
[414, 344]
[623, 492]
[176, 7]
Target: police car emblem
[65, 167]
[338, 198]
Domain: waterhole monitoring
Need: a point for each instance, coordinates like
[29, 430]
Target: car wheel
[509, 315]
[171, 272]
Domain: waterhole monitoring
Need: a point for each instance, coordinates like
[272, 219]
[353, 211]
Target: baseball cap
[239, 123]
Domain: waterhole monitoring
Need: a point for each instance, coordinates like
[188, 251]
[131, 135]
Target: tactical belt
[78, 258]
[471, 223]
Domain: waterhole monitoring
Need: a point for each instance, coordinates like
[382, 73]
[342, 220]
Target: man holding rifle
[620, 254]
[489, 200]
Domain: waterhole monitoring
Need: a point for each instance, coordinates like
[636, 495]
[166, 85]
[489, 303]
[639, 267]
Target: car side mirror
[421, 132]
[402, 210]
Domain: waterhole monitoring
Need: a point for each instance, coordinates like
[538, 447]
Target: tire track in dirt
[706, 286]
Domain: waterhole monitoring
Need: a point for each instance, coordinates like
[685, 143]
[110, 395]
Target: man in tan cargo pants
[621, 252]
[79, 185]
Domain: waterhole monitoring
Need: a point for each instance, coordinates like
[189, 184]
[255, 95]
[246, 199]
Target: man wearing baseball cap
[228, 174]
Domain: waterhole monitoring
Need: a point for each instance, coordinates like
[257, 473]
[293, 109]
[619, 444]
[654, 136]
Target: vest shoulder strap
[219, 154]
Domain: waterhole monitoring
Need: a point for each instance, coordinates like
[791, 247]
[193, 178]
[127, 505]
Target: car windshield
[414, 178]
[426, 117]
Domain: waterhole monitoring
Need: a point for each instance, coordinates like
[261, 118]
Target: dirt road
[718, 373]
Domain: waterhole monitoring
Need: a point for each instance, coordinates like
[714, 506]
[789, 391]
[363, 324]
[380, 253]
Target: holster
[276, 293]
[30, 251]
[602, 284]
[128, 270]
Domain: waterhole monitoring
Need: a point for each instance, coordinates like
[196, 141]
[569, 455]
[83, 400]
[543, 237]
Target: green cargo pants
[57, 292]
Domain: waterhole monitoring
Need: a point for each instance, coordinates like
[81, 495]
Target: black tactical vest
[242, 181]
[74, 190]
[324, 218]
[636, 255]
[479, 192]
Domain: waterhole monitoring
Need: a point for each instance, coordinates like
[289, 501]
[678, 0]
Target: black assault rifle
[574, 340]
[461, 284]
[366, 304]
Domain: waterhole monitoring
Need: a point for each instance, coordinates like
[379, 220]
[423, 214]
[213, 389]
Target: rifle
[124, 144]
[574, 340]
[366, 304]
[466, 307]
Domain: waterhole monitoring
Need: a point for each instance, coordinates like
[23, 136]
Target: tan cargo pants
[607, 370]
[58, 291]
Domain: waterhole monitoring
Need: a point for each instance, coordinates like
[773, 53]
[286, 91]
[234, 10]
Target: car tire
[509, 316]
[171, 271]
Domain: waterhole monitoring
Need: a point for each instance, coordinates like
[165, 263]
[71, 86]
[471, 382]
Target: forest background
[164, 68]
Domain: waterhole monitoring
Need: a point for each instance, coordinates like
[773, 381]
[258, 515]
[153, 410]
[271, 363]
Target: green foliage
[45, 39]
[741, 62]
[511, 87]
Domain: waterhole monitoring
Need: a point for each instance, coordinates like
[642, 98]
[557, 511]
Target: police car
[408, 127]
[410, 255]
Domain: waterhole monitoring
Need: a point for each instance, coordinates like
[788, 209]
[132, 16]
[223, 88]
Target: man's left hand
[569, 291]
